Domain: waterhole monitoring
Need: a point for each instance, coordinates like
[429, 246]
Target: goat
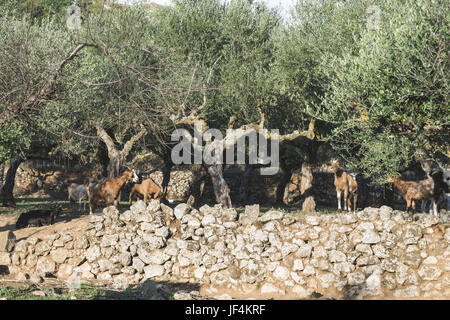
[430, 188]
[78, 192]
[343, 181]
[107, 191]
[38, 217]
[446, 177]
[147, 188]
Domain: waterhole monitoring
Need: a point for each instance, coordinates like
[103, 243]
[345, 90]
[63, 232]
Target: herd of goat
[435, 188]
[106, 192]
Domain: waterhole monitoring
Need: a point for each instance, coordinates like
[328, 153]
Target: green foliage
[390, 97]
[223, 46]
[13, 141]
[379, 93]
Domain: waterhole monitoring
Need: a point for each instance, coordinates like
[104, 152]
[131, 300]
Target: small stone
[413, 234]
[309, 270]
[281, 273]
[412, 259]
[430, 260]
[380, 251]
[138, 264]
[208, 219]
[312, 220]
[370, 237]
[35, 278]
[337, 256]
[355, 278]
[298, 265]
[304, 251]
[429, 272]
[7, 241]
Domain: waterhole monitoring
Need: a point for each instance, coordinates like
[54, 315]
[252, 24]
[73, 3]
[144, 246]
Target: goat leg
[339, 200]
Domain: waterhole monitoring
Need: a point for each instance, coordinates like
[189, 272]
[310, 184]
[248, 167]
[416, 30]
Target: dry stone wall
[378, 252]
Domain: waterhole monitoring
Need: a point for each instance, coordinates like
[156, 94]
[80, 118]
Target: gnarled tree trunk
[282, 192]
[309, 204]
[243, 188]
[221, 189]
[8, 187]
[116, 156]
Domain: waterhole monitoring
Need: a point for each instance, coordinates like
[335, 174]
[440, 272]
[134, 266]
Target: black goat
[38, 218]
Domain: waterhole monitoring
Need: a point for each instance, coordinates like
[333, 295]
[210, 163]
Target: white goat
[78, 192]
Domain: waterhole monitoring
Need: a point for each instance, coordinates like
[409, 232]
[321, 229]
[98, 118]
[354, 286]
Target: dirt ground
[69, 221]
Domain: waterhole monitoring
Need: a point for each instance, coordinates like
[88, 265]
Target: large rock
[93, 253]
[370, 237]
[250, 215]
[45, 265]
[5, 258]
[208, 219]
[181, 210]
[153, 270]
[7, 241]
[138, 207]
[60, 255]
[270, 215]
[413, 234]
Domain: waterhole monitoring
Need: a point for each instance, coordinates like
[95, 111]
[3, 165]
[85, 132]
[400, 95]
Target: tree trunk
[8, 187]
[309, 205]
[243, 188]
[198, 188]
[114, 163]
[166, 174]
[2, 173]
[117, 157]
[221, 189]
[282, 192]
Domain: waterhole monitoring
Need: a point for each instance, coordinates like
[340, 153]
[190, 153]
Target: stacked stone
[376, 252]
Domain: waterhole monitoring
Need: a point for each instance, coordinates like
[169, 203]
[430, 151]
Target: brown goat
[344, 182]
[415, 190]
[106, 191]
[146, 189]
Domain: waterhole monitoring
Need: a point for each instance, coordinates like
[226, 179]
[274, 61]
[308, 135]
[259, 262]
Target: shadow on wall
[152, 290]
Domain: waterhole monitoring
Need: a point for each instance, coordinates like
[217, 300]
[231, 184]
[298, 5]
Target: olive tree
[387, 98]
